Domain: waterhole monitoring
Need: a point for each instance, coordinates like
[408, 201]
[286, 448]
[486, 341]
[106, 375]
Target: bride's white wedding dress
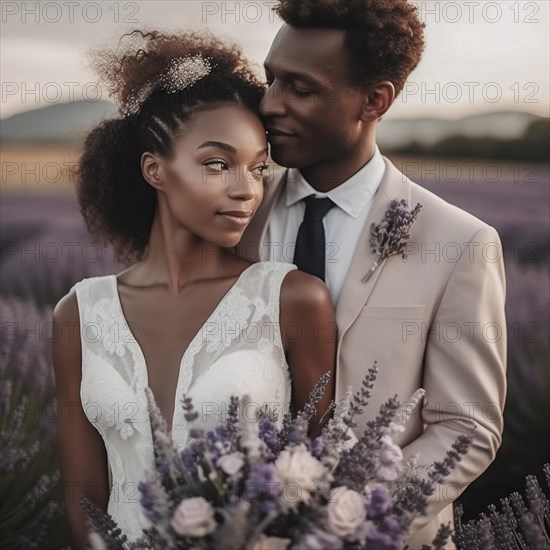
[238, 351]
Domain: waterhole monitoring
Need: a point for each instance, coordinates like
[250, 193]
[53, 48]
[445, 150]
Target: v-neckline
[134, 342]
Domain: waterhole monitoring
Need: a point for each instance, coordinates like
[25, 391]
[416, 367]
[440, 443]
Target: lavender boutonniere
[390, 236]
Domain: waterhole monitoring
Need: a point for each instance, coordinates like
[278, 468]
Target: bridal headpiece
[184, 72]
[181, 73]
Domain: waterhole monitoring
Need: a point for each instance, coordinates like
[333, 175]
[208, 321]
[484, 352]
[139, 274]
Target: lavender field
[45, 250]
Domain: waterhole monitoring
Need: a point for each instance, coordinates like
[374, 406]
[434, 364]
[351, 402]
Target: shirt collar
[352, 196]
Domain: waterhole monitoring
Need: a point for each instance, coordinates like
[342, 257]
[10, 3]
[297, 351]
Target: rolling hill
[66, 123]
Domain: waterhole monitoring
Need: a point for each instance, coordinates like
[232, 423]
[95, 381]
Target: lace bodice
[238, 351]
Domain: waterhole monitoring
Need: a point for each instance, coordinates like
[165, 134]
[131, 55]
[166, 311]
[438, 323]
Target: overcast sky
[481, 55]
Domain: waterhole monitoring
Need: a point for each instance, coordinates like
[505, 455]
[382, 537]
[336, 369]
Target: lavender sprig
[516, 527]
[164, 449]
[390, 236]
[104, 528]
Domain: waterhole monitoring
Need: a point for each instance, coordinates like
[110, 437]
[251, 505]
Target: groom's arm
[465, 380]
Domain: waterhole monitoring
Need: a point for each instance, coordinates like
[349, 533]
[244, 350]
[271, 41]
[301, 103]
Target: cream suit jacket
[435, 320]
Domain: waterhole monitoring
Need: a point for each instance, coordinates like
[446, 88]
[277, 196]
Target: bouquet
[256, 486]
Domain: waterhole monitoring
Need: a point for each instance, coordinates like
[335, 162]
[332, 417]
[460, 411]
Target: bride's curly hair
[117, 204]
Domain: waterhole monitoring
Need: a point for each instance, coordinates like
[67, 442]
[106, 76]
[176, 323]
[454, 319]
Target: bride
[171, 185]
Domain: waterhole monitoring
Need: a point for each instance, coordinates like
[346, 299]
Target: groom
[433, 320]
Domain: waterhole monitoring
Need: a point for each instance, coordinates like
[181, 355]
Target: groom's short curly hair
[384, 38]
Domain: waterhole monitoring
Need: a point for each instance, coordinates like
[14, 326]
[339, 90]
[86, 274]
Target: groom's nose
[273, 102]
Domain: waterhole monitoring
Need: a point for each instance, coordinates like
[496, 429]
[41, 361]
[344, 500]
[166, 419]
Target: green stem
[261, 527]
[371, 270]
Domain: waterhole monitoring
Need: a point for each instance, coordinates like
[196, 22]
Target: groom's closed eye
[296, 89]
[298, 82]
[300, 90]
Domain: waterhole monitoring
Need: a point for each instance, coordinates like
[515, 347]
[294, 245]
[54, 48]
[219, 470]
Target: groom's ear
[152, 170]
[378, 99]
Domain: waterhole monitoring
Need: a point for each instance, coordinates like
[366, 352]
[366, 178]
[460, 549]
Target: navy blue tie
[309, 254]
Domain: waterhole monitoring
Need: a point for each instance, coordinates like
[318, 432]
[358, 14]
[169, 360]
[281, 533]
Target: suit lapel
[355, 293]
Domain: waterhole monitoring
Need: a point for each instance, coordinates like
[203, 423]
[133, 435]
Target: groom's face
[311, 109]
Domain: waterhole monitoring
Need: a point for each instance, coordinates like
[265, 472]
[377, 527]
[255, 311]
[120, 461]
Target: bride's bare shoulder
[66, 310]
[66, 346]
[302, 293]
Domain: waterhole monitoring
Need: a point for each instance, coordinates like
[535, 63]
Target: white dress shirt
[343, 223]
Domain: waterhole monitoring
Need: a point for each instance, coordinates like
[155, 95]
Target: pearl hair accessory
[182, 72]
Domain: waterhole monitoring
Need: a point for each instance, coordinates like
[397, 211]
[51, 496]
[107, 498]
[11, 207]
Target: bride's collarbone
[163, 307]
[164, 323]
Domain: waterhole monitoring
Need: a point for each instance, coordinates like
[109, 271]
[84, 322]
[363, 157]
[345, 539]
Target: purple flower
[317, 447]
[268, 434]
[264, 487]
[389, 535]
[264, 480]
[379, 502]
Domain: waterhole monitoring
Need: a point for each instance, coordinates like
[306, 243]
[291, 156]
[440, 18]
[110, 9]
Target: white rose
[271, 543]
[391, 457]
[345, 512]
[194, 517]
[230, 463]
[299, 473]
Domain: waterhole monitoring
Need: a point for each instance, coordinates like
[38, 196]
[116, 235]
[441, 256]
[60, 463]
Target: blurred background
[471, 125]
